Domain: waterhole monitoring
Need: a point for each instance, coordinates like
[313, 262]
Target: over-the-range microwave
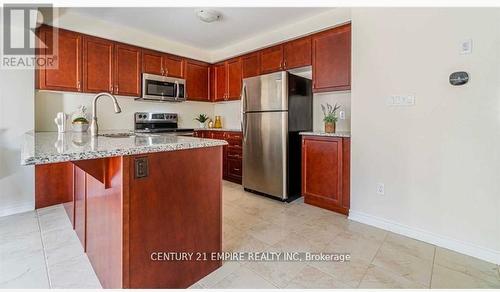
[162, 88]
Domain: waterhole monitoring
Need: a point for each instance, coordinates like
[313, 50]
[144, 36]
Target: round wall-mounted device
[208, 15]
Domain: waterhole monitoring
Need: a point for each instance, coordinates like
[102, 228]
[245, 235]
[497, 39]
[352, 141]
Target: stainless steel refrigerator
[275, 108]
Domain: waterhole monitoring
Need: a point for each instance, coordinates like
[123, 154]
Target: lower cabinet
[232, 154]
[326, 172]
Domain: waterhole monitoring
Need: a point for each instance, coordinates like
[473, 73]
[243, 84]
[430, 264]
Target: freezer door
[265, 144]
[265, 92]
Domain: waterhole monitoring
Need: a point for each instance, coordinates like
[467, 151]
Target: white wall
[49, 103]
[439, 160]
[230, 112]
[343, 99]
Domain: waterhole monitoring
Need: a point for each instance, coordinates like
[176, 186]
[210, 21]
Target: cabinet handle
[166, 72]
[111, 88]
[78, 85]
[162, 71]
[116, 89]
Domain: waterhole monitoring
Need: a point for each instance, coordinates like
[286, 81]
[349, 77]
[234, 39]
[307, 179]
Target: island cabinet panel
[325, 166]
[250, 65]
[332, 59]
[97, 65]
[80, 191]
[127, 75]
[297, 53]
[197, 81]
[178, 214]
[54, 185]
[271, 59]
[67, 75]
[104, 237]
[152, 62]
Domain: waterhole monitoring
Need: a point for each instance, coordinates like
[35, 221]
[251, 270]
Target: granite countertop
[51, 147]
[319, 133]
[218, 129]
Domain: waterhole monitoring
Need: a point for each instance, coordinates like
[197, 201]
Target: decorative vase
[330, 127]
[218, 122]
[202, 125]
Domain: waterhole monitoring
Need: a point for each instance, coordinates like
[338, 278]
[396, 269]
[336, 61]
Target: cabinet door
[250, 65]
[152, 62]
[332, 60]
[67, 75]
[298, 53]
[80, 187]
[322, 172]
[220, 82]
[234, 170]
[271, 59]
[173, 66]
[197, 81]
[234, 81]
[127, 70]
[97, 65]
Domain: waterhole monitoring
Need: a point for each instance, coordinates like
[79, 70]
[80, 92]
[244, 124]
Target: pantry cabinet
[326, 172]
[332, 59]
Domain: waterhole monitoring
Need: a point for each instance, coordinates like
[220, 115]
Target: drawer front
[234, 136]
[234, 167]
[234, 152]
[218, 135]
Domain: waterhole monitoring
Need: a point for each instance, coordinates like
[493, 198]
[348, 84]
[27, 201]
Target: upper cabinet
[297, 53]
[250, 65]
[97, 65]
[127, 76]
[228, 80]
[162, 64]
[67, 75]
[271, 59]
[197, 80]
[332, 59]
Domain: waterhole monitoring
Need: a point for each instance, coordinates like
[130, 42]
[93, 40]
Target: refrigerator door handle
[243, 108]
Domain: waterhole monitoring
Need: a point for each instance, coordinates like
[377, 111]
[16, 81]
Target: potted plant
[202, 118]
[80, 122]
[330, 117]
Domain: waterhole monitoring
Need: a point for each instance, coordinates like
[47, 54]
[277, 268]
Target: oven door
[156, 87]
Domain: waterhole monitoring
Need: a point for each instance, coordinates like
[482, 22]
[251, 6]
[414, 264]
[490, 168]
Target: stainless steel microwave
[162, 88]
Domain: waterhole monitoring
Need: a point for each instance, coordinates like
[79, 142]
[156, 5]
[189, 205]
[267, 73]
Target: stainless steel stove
[159, 123]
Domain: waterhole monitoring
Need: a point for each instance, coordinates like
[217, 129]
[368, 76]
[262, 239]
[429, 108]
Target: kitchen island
[132, 198]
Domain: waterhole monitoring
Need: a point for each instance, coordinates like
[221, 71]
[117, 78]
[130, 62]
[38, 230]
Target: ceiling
[183, 26]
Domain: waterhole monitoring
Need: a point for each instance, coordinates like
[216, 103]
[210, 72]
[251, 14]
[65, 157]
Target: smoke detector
[208, 15]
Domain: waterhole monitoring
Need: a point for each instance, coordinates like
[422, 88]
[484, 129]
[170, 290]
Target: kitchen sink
[117, 135]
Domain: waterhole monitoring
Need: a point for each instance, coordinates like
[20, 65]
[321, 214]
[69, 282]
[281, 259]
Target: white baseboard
[483, 253]
[19, 208]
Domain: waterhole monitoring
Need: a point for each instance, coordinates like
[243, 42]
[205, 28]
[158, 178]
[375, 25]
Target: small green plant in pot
[330, 117]
[202, 118]
[80, 122]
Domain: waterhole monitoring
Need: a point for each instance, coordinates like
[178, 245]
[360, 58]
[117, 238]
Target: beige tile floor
[39, 250]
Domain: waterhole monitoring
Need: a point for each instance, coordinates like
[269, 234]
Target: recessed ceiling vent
[208, 15]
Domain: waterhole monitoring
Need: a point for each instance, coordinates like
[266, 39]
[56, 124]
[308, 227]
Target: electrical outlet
[342, 115]
[380, 189]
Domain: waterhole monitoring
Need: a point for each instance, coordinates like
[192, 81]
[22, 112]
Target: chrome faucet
[94, 128]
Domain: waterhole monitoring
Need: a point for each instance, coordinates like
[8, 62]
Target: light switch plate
[466, 47]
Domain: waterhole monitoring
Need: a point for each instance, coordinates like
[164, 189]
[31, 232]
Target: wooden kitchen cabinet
[232, 154]
[332, 59]
[162, 64]
[228, 80]
[326, 172]
[80, 194]
[67, 76]
[98, 59]
[297, 53]
[127, 74]
[250, 65]
[271, 59]
[197, 80]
